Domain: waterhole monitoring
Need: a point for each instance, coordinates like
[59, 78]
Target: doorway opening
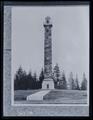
[47, 86]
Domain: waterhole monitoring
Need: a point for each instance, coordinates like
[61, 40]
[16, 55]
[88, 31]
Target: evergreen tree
[35, 77]
[23, 81]
[71, 82]
[41, 78]
[20, 79]
[56, 75]
[76, 83]
[84, 83]
[34, 81]
[19, 73]
[29, 80]
[62, 82]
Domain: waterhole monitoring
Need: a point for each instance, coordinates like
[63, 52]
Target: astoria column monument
[48, 82]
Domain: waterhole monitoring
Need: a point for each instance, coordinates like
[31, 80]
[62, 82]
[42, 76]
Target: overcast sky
[70, 38]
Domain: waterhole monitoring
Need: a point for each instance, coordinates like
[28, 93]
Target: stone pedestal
[48, 84]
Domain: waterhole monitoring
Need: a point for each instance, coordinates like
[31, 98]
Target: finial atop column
[47, 19]
[47, 22]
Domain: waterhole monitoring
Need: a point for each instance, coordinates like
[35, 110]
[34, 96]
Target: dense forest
[26, 81]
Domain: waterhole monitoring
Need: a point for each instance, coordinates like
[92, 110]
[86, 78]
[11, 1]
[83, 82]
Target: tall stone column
[48, 81]
[47, 49]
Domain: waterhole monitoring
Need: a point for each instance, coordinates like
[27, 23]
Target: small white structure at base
[38, 95]
[48, 84]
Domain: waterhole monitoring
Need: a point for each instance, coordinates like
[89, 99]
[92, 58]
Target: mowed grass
[54, 96]
[22, 94]
[75, 94]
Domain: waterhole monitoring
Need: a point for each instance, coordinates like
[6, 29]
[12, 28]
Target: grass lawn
[54, 96]
[22, 94]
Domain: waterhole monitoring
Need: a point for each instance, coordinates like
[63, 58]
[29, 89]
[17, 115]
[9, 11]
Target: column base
[48, 84]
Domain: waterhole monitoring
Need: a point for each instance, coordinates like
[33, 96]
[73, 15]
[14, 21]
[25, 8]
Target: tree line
[26, 81]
